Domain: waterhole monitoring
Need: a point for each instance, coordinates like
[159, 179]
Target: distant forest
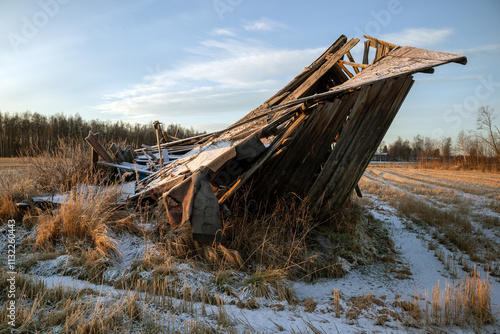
[476, 148]
[20, 132]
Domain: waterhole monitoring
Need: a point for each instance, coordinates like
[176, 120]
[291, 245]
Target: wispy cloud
[222, 32]
[479, 51]
[263, 24]
[418, 37]
[222, 80]
[449, 78]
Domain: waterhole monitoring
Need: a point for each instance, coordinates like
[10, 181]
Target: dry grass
[8, 208]
[336, 303]
[274, 239]
[68, 165]
[269, 283]
[472, 182]
[467, 302]
[442, 215]
[286, 238]
[17, 185]
[40, 309]
[256, 238]
[80, 224]
[309, 304]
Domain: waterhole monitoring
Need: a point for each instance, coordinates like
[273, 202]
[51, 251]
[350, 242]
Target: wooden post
[94, 142]
[158, 131]
[165, 136]
[94, 157]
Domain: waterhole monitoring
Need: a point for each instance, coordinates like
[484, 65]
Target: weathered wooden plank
[115, 150]
[367, 124]
[317, 189]
[428, 56]
[129, 168]
[297, 81]
[366, 52]
[376, 40]
[94, 156]
[270, 151]
[307, 86]
[351, 60]
[345, 69]
[294, 171]
[377, 129]
[94, 142]
[355, 65]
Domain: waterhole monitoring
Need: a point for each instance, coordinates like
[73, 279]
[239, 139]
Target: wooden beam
[366, 52]
[156, 124]
[94, 157]
[355, 65]
[378, 49]
[358, 191]
[94, 142]
[297, 81]
[374, 40]
[125, 167]
[429, 70]
[270, 152]
[351, 59]
[345, 69]
[305, 87]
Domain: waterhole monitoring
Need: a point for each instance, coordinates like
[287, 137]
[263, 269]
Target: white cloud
[263, 24]
[222, 32]
[418, 37]
[434, 78]
[479, 51]
[222, 81]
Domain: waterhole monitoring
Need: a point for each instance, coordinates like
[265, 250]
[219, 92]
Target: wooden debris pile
[315, 138]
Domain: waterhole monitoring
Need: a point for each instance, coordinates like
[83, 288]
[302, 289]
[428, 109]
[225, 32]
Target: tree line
[474, 148]
[20, 132]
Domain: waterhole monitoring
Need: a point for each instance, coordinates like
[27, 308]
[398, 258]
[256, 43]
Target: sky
[207, 63]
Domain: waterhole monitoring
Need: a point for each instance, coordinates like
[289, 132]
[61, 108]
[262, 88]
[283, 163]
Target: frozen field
[444, 225]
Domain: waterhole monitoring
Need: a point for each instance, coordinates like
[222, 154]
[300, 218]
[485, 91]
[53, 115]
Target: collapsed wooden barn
[314, 138]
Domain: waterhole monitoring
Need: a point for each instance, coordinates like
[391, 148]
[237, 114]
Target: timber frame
[313, 138]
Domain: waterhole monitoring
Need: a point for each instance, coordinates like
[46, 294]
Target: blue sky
[206, 63]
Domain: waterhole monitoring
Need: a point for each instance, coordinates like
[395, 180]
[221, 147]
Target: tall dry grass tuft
[68, 165]
[8, 207]
[468, 302]
[80, 223]
[270, 238]
[269, 283]
[472, 299]
[179, 243]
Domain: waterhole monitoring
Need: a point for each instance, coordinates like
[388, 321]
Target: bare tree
[446, 144]
[462, 143]
[487, 131]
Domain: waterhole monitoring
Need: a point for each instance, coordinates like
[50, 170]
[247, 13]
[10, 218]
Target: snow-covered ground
[385, 287]
[273, 316]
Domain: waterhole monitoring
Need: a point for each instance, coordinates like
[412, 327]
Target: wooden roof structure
[314, 137]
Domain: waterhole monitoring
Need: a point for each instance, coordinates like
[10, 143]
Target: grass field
[418, 253]
[6, 163]
[461, 209]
